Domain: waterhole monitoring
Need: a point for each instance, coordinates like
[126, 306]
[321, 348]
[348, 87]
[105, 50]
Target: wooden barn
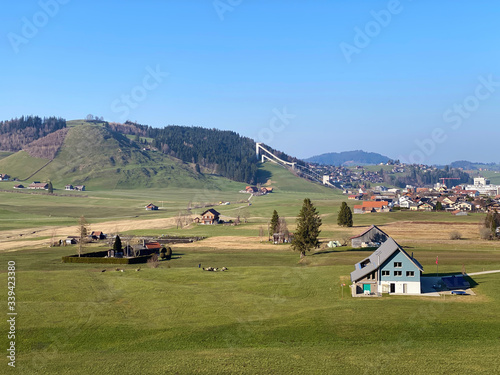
[373, 235]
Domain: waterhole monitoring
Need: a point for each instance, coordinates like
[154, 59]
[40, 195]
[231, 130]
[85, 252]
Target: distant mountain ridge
[347, 158]
[471, 166]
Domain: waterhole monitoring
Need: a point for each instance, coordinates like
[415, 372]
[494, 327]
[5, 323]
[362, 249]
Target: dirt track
[17, 239]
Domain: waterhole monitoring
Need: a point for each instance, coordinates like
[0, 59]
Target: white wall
[411, 287]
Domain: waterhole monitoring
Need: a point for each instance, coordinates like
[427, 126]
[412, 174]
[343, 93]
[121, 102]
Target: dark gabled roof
[378, 257]
[369, 229]
[211, 211]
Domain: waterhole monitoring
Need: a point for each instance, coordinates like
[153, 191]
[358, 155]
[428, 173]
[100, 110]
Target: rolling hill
[98, 157]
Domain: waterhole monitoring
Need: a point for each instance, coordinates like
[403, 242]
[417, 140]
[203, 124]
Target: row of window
[399, 273]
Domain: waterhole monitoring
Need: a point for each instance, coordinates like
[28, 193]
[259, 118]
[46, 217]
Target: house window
[386, 273]
[398, 273]
[398, 264]
[410, 273]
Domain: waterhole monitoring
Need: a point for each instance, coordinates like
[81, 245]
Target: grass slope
[102, 159]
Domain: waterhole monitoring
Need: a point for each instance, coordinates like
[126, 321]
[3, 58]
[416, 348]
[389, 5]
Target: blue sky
[416, 80]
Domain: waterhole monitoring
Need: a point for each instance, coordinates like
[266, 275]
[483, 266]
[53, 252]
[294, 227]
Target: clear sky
[417, 80]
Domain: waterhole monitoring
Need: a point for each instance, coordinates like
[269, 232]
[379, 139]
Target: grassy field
[268, 314]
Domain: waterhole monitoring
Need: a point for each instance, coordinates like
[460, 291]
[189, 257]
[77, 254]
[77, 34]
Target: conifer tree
[307, 232]
[344, 218]
[275, 222]
[117, 245]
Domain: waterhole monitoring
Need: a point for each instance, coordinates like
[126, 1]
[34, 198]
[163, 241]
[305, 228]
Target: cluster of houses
[345, 176]
[480, 197]
[389, 269]
[256, 190]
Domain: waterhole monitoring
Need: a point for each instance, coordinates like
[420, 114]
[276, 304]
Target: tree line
[420, 177]
[19, 132]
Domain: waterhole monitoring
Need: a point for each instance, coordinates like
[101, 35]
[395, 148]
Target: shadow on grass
[263, 176]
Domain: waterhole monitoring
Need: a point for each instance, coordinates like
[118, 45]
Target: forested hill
[222, 152]
[347, 158]
[19, 132]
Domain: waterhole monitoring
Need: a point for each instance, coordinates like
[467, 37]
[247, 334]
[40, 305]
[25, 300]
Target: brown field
[18, 239]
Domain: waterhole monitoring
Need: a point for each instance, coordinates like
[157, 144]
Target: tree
[83, 229]
[117, 245]
[344, 218]
[275, 220]
[163, 253]
[169, 253]
[492, 221]
[307, 232]
[439, 206]
[51, 188]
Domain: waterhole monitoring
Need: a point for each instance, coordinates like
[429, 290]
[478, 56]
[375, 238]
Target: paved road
[482, 273]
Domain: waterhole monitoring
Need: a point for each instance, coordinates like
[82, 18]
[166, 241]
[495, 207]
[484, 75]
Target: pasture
[268, 314]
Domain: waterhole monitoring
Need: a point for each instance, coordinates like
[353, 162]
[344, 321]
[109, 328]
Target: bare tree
[261, 232]
[84, 228]
[153, 262]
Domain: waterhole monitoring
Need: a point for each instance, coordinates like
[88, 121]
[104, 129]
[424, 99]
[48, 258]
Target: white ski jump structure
[266, 155]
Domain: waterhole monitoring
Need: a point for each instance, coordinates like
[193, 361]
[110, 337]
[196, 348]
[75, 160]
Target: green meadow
[268, 314]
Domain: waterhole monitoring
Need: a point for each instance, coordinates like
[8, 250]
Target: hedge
[93, 258]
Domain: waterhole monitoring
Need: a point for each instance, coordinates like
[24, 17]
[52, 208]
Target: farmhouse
[151, 207]
[372, 236]
[389, 269]
[19, 186]
[38, 186]
[68, 187]
[210, 217]
[4, 177]
[80, 187]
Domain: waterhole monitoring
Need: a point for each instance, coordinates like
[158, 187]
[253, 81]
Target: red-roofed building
[371, 206]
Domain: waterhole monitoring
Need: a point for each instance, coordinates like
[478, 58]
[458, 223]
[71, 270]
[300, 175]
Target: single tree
[307, 232]
[344, 218]
[439, 206]
[50, 188]
[117, 245]
[83, 229]
[275, 221]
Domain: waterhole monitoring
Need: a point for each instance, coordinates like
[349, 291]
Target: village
[458, 200]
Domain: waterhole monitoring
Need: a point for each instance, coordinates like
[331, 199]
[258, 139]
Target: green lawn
[266, 315]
